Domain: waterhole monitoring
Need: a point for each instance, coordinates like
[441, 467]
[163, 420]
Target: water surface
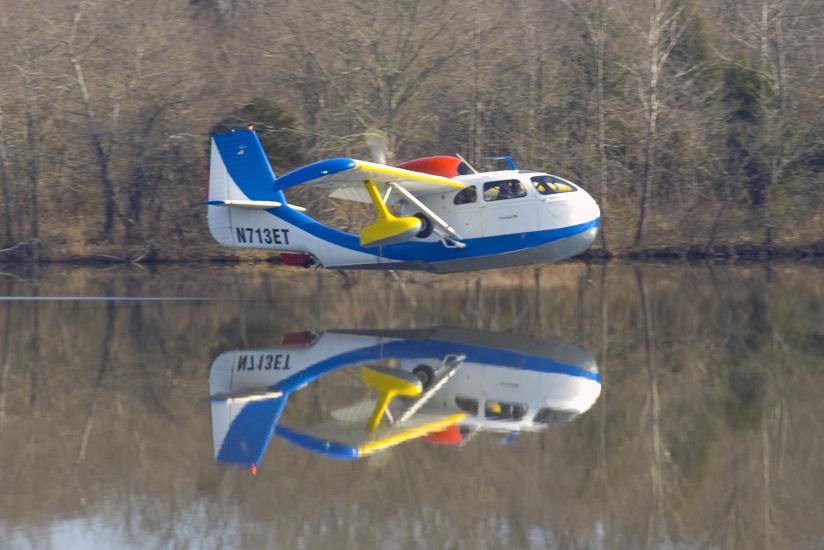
[707, 431]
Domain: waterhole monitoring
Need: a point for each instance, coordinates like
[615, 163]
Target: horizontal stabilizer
[246, 396]
[253, 205]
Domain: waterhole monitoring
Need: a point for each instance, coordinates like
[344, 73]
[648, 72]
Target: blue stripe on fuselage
[434, 251]
[419, 349]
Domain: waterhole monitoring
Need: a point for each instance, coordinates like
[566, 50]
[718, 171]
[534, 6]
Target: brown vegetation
[696, 124]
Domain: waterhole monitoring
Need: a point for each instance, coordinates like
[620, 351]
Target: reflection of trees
[104, 364]
[5, 352]
[657, 532]
[709, 437]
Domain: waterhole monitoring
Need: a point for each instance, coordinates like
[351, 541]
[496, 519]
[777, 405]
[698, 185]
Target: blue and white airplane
[440, 384]
[447, 217]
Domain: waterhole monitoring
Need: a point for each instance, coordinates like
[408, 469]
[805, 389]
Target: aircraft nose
[587, 206]
[595, 209]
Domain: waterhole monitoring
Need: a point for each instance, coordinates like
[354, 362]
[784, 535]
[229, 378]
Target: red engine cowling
[444, 166]
[451, 435]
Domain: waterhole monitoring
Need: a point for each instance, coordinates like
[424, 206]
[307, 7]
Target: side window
[550, 185]
[501, 190]
[500, 410]
[466, 195]
[467, 404]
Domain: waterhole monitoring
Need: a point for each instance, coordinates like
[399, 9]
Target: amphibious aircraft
[440, 384]
[447, 217]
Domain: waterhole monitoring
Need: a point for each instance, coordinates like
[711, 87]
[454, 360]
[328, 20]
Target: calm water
[681, 408]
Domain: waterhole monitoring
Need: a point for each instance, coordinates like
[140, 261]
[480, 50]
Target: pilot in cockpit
[511, 189]
[466, 195]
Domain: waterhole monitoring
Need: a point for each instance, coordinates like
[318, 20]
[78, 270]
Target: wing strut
[428, 211]
[452, 363]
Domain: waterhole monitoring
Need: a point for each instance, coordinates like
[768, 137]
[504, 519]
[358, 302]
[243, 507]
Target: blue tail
[240, 167]
[249, 432]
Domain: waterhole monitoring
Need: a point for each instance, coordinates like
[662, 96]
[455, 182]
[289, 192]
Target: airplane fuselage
[503, 218]
[498, 388]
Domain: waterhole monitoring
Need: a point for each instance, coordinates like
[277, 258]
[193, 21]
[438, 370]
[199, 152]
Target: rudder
[238, 170]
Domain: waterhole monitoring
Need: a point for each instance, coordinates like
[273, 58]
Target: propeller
[378, 144]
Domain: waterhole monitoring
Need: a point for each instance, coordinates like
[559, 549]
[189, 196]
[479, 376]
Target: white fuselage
[528, 213]
[484, 383]
[524, 228]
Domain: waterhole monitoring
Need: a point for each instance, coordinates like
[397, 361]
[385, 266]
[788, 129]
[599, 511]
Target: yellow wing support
[389, 383]
[388, 228]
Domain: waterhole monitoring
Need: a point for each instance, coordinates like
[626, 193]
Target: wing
[345, 177]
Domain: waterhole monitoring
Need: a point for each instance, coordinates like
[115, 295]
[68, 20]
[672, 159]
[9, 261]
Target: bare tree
[101, 148]
[665, 26]
[595, 18]
[5, 186]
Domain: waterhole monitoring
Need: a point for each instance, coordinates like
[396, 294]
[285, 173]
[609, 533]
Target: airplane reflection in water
[439, 384]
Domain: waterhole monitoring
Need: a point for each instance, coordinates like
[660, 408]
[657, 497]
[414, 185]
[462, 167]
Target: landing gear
[425, 374]
[426, 226]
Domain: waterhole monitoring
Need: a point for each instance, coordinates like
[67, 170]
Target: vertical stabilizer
[238, 170]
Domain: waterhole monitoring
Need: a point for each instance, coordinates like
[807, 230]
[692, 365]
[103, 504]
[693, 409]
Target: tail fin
[241, 432]
[239, 170]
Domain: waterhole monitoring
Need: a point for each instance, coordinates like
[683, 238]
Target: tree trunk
[100, 152]
[31, 170]
[8, 229]
[477, 108]
[665, 30]
[652, 135]
[140, 177]
[31, 153]
[599, 90]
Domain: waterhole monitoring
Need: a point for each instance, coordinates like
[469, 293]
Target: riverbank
[28, 253]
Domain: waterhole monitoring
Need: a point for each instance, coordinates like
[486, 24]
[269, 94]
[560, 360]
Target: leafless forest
[696, 124]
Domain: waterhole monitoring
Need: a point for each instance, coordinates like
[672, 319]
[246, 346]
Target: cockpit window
[551, 185]
[464, 169]
[553, 416]
[466, 195]
[500, 190]
[500, 410]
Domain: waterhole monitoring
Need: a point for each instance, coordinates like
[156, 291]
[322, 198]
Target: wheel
[425, 374]
[426, 226]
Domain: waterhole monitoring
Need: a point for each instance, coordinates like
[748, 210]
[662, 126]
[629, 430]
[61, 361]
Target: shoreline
[662, 254]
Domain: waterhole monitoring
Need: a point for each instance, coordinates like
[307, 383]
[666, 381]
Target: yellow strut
[380, 206]
[387, 228]
[389, 383]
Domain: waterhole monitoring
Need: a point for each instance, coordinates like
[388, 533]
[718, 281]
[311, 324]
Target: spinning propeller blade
[378, 144]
